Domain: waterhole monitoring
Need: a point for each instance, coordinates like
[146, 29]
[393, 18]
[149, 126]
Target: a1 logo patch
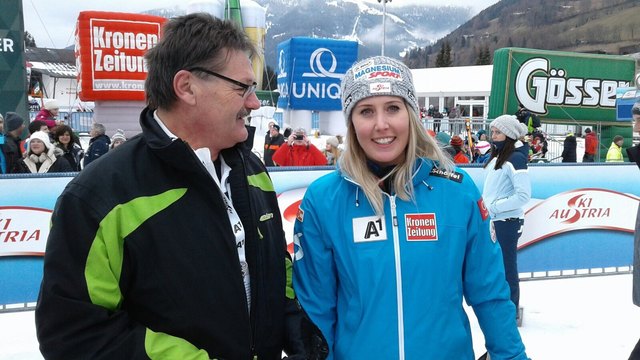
[369, 228]
[421, 227]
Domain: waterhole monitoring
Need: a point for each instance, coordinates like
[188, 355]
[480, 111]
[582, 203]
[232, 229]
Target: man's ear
[183, 86]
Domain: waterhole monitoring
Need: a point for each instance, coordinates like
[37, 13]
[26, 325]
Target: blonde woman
[389, 244]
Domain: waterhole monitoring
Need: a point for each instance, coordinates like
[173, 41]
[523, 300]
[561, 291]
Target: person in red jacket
[299, 152]
[590, 145]
[457, 144]
[49, 112]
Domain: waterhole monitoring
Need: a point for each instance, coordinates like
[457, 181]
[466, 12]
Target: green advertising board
[268, 98]
[558, 86]
[13, 77]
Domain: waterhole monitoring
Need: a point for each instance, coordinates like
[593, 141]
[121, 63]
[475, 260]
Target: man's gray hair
[99, 128]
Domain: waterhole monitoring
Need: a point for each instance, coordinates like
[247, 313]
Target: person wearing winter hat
[41, 158]
[298, 151]
[459, 156]
[482, 150]
[98, 145]
[117, 139]
[332, 151]
[49, 112]
[14, 126]
[507, 189]
[392, 205]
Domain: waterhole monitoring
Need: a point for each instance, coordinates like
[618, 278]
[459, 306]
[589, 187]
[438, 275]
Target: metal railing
[77, 120]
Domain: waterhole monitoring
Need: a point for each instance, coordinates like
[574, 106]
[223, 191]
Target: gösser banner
[581, 221]
[110, 49]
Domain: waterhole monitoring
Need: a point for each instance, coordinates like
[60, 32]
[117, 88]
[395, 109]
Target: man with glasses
[173, 247]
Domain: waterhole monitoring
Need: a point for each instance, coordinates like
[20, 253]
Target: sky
[52, 23]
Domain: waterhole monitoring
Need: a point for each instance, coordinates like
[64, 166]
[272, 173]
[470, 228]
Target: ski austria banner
[581, 221]
[110, 50]
[558, 85]
[310, 70]
[13, 76]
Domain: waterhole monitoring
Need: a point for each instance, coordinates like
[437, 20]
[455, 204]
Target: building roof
[453, 81]
[57, 63]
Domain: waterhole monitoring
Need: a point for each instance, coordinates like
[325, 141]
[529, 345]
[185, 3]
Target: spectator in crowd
[172, 247]
[528, 118]
[272, 143]
[49, 113]
[615, 150]
[41, 158]
[14, 125]
[117, 139]
[507, 189]
[483, 152]
[332, 151]
[299, 151]
[389, 244]
[66, 140]
[287, 132]
[35, 125]
[98, 145]
[633, 152]
[539, 145]
[590, 145]
[569, 149]
[482, 135]
[459, 156]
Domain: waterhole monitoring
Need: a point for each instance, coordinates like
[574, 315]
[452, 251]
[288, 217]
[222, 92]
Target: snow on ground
[573, 318]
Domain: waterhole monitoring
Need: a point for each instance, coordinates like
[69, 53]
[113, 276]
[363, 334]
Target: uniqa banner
[310, 71]
[110, 50]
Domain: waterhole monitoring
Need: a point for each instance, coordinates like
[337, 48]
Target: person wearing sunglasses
[172, 247]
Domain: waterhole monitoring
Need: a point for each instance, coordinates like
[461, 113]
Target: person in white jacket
[507, 189]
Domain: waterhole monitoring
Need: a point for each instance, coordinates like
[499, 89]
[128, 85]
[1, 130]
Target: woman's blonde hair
[353, 163]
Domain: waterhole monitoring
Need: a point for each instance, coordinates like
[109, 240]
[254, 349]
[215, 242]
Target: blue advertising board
[579, 217]
[625, 98]
[310, 70]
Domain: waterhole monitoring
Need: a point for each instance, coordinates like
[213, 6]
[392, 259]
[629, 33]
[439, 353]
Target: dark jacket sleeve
[96, 150]
[68, 324]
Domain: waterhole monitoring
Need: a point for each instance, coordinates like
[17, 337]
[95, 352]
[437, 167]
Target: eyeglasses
[247, 89]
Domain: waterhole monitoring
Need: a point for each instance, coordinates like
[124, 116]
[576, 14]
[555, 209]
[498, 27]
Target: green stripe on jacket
[107, 249]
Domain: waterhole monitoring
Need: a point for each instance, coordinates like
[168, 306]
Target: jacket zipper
[396, 250]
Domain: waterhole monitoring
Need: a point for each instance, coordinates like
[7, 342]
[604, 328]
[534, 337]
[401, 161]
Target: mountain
[596, 26]
[406, 26]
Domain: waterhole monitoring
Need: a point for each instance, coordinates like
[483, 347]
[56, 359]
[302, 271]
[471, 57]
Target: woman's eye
[393, 108]
[366, 112]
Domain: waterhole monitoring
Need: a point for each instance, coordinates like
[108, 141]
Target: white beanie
[483, 146]
[119, 135]
[42, 136]
[51, 104]
[510, 126]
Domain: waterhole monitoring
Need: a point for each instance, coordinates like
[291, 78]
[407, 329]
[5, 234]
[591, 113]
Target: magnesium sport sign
[558, 85]
[110, 50]
[310, 70]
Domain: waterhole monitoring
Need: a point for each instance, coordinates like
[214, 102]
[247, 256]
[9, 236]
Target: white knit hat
[483, 146]
[42, 136]
[51, 104]
[510, 126]
[375, 76]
